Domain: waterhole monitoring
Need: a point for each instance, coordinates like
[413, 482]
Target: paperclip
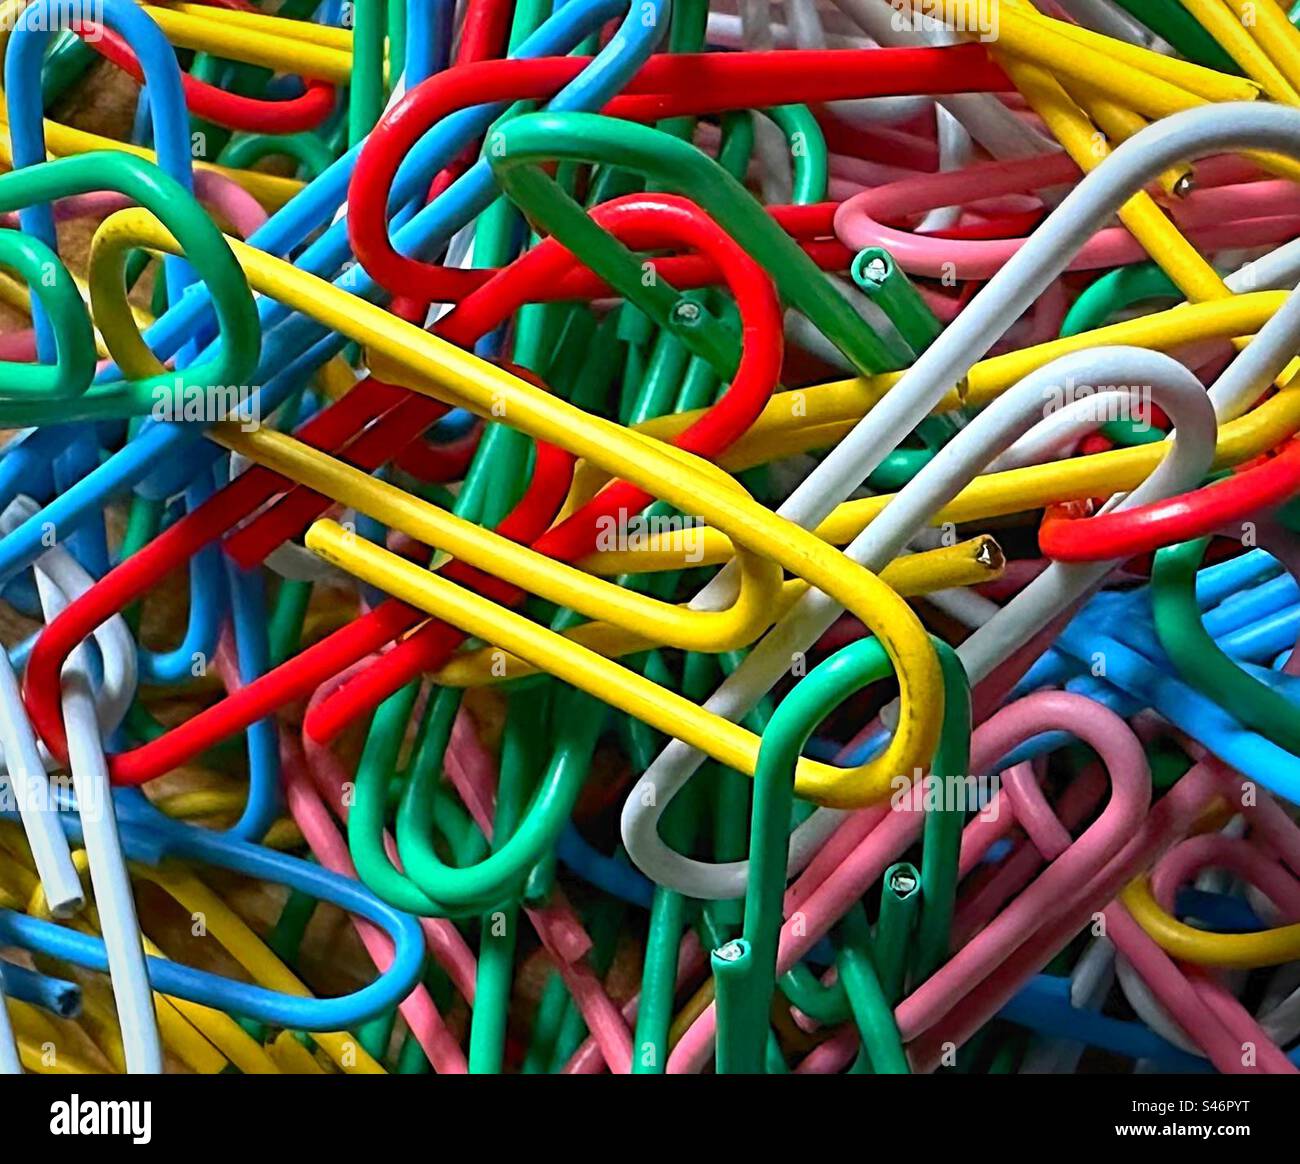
[598, 451]
[113, 896]
[674, 766]
[745, 969]
[252, 1001]
[550, 277]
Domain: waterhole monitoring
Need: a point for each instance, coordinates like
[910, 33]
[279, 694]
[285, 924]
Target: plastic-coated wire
[964, 564]
[525, 140]
[1009, 416]
[1264, 948]
[1030, 913]
[833, 407]
[602, 447]
[1018, 498]
[228, 109]
[1199, 659]
[310, 50]
[272, 1006]
[734, 747]
[27, 784]
[204, 245]
[1157, 85]
[10, 1061]
[1168, 19]
[1043, 1004]
[305, 148]
[113, 898]
[208, 603]
[663, 355]
[1175, 519]
[1049, 835]
[491, 302]
[746, 978]
[1191, 712]
[1256, 870]
[639, 220]
[1227, 29]
[1206, 216]
[934, 372]
[557, 33]
[186, 1028]
[985, 120]
[474, 192]
[1182, 518]
[22, 59]
[717, 82]
[227, 927]
[418, 1009]
[136, 462]
[220, 510]
[57, 995]
[40, 269]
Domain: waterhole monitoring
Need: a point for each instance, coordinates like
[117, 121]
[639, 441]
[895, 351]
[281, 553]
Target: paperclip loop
[544, 276]
[282, 1003]
[944, 361]
[522, 400]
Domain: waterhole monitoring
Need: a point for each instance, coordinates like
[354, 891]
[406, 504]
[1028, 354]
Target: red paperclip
[641, 221]
[1068, 536]
[251, 114]
[666, 86]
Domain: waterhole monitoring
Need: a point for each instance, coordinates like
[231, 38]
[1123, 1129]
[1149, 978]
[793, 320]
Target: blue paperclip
[207, 605]
[178, 447]
[23, 60]
[150, 837]
[1043, 1005]
[57, 995]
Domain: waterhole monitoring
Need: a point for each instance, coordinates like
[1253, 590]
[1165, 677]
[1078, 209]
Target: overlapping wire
[753, 539]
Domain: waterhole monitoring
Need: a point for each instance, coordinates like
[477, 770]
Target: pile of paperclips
[617, 536]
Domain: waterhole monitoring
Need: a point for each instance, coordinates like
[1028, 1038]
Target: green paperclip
[204, 247]
[517, 150]
[745, 971]
[48, 279]
[1201, 661]
[885, 283]
[941, 851]
[311, 154]
[900, 902]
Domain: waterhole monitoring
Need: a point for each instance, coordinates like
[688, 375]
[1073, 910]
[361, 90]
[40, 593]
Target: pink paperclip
[1035, 909]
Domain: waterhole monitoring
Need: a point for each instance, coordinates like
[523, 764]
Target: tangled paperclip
[618, 537]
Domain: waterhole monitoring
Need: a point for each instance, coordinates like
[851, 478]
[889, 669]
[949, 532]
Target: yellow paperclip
[967, 563]
[178, 1033]
[1249, 951]
[234, 934]
[678, 478]
[269, 42]
[649, 618]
